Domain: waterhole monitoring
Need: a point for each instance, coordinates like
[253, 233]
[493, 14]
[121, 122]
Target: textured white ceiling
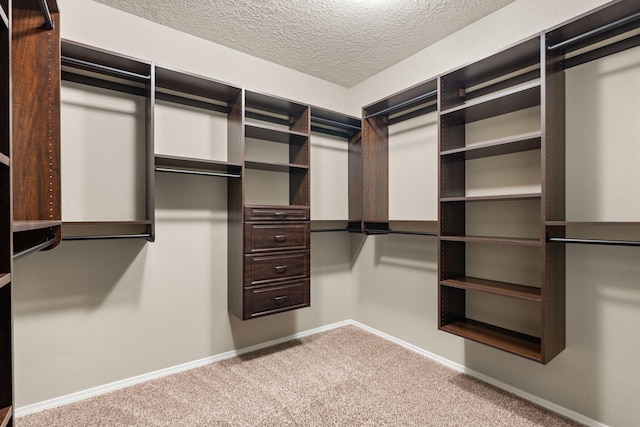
[342, 41]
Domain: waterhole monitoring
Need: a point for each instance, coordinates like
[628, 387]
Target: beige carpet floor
[343, 377]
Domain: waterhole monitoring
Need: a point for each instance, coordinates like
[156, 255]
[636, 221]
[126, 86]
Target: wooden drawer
[263, 268]
[286, 213]
[274, 299]
[282, 236]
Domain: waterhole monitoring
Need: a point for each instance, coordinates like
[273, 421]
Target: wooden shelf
[503, 102]
[4, 279]
[496, 148]
[93, 230]
[591, 224]
[193, 164]
[513, 342]
[5, 160]
[5, 415]
[273, 104]
[269, 133]
[511, 290]
[493, 240]
[19, 226]
[275, 167]
[504, 197]
[192, 84]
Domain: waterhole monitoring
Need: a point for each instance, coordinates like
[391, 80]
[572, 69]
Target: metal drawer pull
[280, 237]
[280, 300]
[280, 214]
[280, 268]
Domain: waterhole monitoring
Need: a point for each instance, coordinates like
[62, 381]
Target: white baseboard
[96, 391]
[504, 386]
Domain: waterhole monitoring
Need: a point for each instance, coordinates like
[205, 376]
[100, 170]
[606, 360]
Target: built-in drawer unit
[262, 301]
[276, 236]
[263, 268]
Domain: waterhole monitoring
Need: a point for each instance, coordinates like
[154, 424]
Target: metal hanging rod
[403, 104]
[106, 237]
[333, 123]
[596, 31]
[594, 241]
[190, 172]
[124, 73]
[48, 22]
[50, 240]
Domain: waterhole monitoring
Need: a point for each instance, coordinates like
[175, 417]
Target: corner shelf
[273, 134]
[275, 167]
[20, 226]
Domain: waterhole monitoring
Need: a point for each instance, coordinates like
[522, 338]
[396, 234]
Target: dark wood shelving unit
[99, 68]
[269, 244]
[509, 81]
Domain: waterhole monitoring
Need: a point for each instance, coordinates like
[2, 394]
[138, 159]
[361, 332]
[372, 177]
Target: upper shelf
[605, 22]
[197, 86]
[411, 102]
[19, 226]
[96, 67]
[514, 99]
[336, 124]
[273, 104]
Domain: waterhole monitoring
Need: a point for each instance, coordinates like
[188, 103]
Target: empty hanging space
[602, 72]
[398, 180]
[106, 99]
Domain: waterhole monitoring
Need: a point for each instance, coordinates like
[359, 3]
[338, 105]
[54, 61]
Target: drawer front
[274, 299]
[287, 213]
[263, 268]
[269, 237]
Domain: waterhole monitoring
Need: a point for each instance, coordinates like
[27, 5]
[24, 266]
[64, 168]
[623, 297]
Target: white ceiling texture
[342, 41]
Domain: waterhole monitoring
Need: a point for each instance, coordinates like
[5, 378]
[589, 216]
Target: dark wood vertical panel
[355, 178]
[375, 157]
[235, 202]
[150, 174]
[36, 114]
[553, 200]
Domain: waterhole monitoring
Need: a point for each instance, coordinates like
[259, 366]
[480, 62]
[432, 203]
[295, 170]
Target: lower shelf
[5, 415]
[504, 339]
[96, 230]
